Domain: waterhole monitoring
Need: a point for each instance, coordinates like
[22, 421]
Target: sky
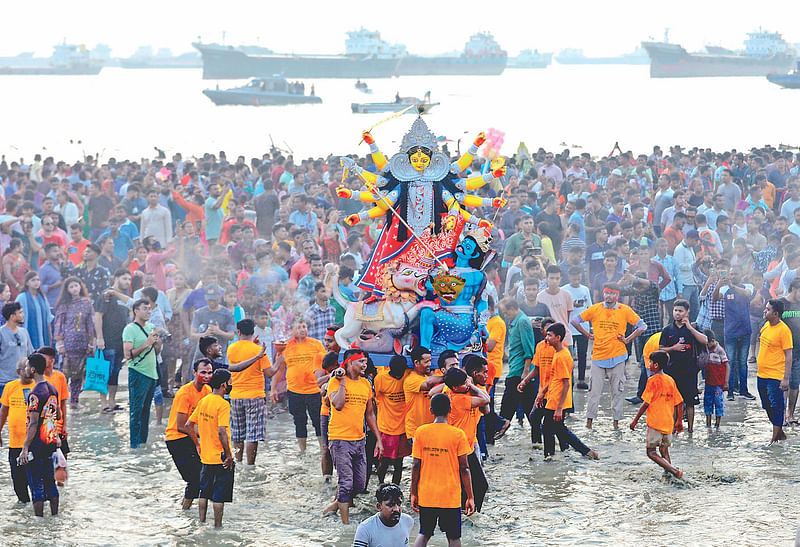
[430, 27]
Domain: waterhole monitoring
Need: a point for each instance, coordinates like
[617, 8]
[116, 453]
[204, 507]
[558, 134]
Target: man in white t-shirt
[388, 527]
[581, 300]
[557, 300]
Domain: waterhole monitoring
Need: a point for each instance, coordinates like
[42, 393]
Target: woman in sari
[15, 267]
[73, 332]
[38, 318]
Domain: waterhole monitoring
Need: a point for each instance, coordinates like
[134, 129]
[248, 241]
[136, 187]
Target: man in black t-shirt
[111, 316]
[683, 342]
[41, 437]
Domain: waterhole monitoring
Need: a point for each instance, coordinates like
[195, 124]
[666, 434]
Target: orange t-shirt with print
[438, 446]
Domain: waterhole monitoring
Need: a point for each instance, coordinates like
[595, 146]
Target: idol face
[420, 160]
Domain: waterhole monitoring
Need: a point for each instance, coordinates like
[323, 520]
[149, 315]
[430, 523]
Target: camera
[536, 251]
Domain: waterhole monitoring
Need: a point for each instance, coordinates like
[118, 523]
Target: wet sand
[737, 488]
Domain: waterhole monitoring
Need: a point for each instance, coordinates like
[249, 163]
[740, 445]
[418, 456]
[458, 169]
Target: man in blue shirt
[214, 212]
[736, 297]
[122, 241]
[302, 217]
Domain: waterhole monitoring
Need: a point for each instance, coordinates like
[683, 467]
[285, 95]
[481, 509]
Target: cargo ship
[764, 53]
[576, 57]
[530, 59]
[367, 57]
[67, 59]
[482, 56]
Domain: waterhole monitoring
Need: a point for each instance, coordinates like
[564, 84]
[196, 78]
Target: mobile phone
[536, 251]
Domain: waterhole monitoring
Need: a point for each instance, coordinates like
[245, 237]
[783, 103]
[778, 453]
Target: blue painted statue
[460, 320]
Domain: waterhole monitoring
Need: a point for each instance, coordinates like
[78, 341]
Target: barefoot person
[609, 320]
[14, 401]
[41, 439]
[211, 417]
[351, 404]
[774, 364]
[440, 464]
[184, 452]
[389, 527]
[662, 401]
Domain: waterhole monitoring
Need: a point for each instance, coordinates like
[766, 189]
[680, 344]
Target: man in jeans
[685, 256]
[110, 317]
[521, 346]
[791, 316]
[14, 342]
[736, 299]
[140, 344]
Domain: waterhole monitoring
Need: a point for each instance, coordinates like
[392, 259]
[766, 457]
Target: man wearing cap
[609, 321]
[213, 320]
[686, 258]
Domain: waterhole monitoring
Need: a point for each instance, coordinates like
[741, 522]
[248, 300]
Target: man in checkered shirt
[320, 314]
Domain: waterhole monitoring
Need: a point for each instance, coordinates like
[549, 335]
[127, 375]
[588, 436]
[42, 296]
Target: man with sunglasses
[14, 342]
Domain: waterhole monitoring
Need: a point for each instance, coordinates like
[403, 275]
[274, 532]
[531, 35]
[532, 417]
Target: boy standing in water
[718, 372]
[661, 399]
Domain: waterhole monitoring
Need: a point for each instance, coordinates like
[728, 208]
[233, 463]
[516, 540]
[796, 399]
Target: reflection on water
[736, 488]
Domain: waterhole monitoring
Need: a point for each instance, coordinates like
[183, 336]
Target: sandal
[107, 410]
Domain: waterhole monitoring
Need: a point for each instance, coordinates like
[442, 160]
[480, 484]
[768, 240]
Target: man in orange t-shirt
[248, 397]
[415, 388]
[391, 401]
[184, 452]
[440, 460]
[302, 391]
[556, 397]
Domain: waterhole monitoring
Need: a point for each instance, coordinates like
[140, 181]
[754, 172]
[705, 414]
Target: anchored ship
[367, 57]
[530, 59]
[764, 53]
[482, 55]
[67, 59]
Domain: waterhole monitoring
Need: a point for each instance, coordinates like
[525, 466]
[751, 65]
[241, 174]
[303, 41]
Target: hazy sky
[315, 26]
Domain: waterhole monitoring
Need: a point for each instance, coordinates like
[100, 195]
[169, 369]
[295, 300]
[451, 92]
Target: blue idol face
[467, 248]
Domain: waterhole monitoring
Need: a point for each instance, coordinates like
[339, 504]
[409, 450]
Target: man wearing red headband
[609, 321]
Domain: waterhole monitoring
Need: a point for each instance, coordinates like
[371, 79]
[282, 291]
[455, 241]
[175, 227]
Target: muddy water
[737, 489]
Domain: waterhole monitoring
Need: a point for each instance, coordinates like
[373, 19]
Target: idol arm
[377, 157]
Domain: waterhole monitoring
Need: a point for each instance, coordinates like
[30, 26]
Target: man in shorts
[248, 396]
[211, 416]
[440, 459]
[680, 340]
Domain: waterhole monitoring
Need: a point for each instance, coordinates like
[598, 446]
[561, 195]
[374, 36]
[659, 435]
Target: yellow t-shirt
[560, 368]
[301, 363]
[662, 396]
[249, 383]
[15, 397]
[496, 328]
[211, 413]
[418, 403]
[59, 381]
[438, 447]
[463, 415]
[543, 358]
[391, 400]
[607, 324]
[771, 359]
[348, 424]
[652, 344]
[185, 401]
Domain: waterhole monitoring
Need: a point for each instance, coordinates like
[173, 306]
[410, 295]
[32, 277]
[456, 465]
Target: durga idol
[420, 185]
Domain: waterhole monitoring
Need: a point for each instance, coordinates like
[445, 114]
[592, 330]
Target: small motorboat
[263, 92]
[789, 81]
[400, 103]
[363, 87]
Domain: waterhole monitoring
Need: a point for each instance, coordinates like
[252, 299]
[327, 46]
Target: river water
[736, 489]
[124, 113]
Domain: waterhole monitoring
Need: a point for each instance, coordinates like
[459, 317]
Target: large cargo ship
[576, 57]
[764, 53]
[67, 59]
[367, 57]
[482, 55]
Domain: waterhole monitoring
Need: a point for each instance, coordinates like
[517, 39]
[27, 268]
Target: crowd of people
[212, 280]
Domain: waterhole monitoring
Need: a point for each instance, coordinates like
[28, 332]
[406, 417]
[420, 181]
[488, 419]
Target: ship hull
[788, 81]
[244, 98]
[50, 71]
[672, 61]
[220, 63]
[450, 66]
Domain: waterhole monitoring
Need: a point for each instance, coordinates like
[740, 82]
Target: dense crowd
[182, 269]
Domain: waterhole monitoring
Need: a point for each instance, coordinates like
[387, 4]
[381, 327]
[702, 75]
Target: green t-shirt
[145, 362]
[514, 243]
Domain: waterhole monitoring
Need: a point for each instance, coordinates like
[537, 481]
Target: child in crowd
[661, 400]
[717, 373]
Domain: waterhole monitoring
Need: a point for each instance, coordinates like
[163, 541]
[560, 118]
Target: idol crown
[419, 135]
[482, 237]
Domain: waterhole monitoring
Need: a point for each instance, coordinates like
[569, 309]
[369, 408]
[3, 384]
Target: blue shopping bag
[97, 372]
